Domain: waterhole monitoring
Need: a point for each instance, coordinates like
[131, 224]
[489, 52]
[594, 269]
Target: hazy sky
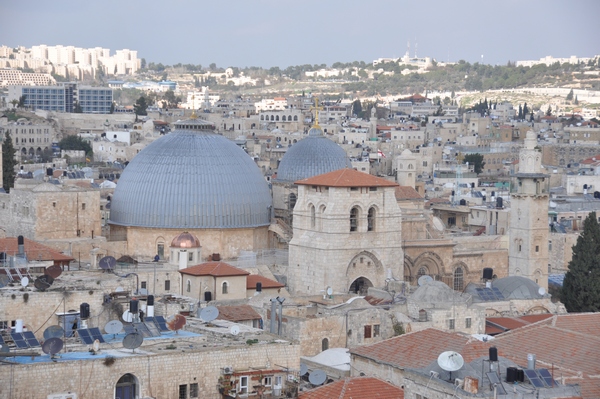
[281, 33]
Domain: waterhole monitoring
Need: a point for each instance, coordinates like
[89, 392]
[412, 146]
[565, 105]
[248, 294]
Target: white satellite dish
[329, 291]
[424, 280]
[127, 316]
[542, 291]
[119, 289]
[317, 377]
[24, 281]
[209, 313]
[234, 330]
[96, 346]
[450, 361]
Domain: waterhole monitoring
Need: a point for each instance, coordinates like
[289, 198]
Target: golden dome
[185, 240]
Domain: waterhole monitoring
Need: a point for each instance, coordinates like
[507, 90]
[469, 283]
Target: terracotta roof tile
[215, 269]
[252, 279]
[237, 313]
[355, 388]
[33, 250]
[407, 192]
[346, 178]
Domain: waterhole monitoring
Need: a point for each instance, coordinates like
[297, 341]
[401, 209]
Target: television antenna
[24, 281]
[234, 330]
[133, 340]
[53, 271]
[176, 322]
[52, 346]
[450, 361]
[96, 346]
[113, 327]
[4, 280]
[542, 291]
[303, 369]
[317, 377]
[4, 348]
[209, 313]
[107, 263]
[42, 283]
[127, 316]
[53, 332]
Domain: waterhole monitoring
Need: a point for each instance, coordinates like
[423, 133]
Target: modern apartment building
[64, 97]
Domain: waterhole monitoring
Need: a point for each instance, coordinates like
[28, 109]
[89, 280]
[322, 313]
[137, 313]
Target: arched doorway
[127, 387]
[360, 286]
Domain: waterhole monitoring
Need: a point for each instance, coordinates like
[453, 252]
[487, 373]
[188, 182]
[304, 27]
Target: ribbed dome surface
[312, 156]
[191, 178]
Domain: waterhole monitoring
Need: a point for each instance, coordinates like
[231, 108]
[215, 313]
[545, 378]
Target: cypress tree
[520, 116]
[581, 287]
[8, 163]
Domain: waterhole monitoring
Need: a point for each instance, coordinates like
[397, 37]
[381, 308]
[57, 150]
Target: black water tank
[49, 172]
[150, 300]
[493, 193]
[258, 286]
[520, 375]
[20, 240]
[453, 193]
[585, 186]
[511, 374]
[207, 296]
[133, 306]
[596, 194]
[499, 202]
[493, 354]
[84, 311]
[488, 273]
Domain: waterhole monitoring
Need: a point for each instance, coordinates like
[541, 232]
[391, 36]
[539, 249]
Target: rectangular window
[268, 381]
[83, 206]
[451, 324]
[183, 392]
[375, 330]
[190, 256]
[143, 285]
[243, 386]
[468, 322]
[537, 248]
[194, 390]
[167, 285]
[368, 332]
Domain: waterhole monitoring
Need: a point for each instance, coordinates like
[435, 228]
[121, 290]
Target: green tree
[576, 102]
[356, 108]
[476, 160]
[112, 108]
[21, 103]
[525, 110]
[581, 287]
[549, 111]
[75, 143]
[140, 107]
[520, 116]
[77, 108]
[8, 163]
[14, 103]
[570, 95]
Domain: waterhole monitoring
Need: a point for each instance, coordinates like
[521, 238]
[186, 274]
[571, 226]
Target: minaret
[528, 233]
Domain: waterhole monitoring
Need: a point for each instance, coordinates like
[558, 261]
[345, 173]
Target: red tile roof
[346, 178]
[355, 388]
[496, 325]
[252, 279]
[237, 313]
[407, 192]
[33, 250]
[215, 269]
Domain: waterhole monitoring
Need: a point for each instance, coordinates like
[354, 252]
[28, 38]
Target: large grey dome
[192, 178]
[312, 156]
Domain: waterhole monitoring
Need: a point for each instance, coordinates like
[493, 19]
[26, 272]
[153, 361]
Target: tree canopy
[476, 160]
[140, 106]
[75, 143]
[581, 287]
[8, 163]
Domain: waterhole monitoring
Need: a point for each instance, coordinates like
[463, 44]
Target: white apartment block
[15, 77]
[271, 104]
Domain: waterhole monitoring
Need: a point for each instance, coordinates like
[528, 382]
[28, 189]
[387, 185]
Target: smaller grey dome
[517, 287]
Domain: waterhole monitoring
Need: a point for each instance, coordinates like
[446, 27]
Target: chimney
[21, 242]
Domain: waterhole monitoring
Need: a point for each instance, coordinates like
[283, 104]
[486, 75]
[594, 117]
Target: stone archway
[360, 286]
[127, 387]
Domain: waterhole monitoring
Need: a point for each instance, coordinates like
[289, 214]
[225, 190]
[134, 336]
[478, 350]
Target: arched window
[354, 219]
[371, 219]
[313, 217]
[459, 283]
[224, 288]
[295, 118]
[188, 286]
[277, 118]
[283, 118]
[262, 117]
[272, 118]
[291, 201]
[324, 344]
[422, 271]
[127, 387]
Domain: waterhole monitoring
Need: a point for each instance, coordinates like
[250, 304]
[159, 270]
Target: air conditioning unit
[459, 383]
[63, 396]
[228, 370]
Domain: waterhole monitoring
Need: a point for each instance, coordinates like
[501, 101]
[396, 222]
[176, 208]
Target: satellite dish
[3, 280]
[133, 340]
[438, 224]
[52, 346]
[53, 271]
[127, 316]
[542, 291]
[450, 361]
[114, 327]
[24, 281]
[42, 283]
[176, 322]
[96, 345]
[4, 348]
[119, 289]
[303, 369]
[424, 280]
[53, 332]
[317, 377]
[209, 313]
[234, 330]
[107, 263]
[329, 291]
